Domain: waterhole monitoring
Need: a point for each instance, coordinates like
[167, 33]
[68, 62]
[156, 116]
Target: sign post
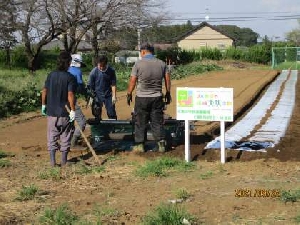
[222, 136]
[187, 152]
[205, 104]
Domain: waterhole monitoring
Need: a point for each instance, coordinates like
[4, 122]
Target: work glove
[168, 98]
[72, 116]
[129, 98]
[114, 100]
[90, 102]
[44, 110]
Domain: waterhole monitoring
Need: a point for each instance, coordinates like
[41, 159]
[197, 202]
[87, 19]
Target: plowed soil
[124, 198]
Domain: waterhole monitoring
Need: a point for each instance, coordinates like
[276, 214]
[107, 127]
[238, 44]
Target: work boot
[64, 157]
[161, 146]
[52, 158]
[139, 147]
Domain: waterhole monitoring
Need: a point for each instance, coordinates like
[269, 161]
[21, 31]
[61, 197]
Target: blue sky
[273, 18]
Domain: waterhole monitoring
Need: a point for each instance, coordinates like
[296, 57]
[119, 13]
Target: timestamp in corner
[257, 193]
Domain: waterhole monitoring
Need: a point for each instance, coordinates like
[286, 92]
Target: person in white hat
[75, 70]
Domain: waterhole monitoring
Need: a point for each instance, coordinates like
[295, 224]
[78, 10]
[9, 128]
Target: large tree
[39, 22]
[294, 35]
[7, 27]
[115, 15]
[242, 36]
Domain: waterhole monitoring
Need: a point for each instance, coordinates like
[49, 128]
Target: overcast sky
[273, 18]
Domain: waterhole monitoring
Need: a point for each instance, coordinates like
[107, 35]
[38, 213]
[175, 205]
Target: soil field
[115, 194]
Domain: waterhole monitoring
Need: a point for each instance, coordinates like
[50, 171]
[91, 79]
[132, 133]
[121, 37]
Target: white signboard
[207, 104]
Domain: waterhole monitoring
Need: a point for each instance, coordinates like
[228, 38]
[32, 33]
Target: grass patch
[27, 193]
[51, 173]
[4, 163]
[83, 169]
[59, 216]
[297, 219]
[4, 154]
[182, 194]
[206, 175]
[167, 215]
[161, 166]
[290, 196]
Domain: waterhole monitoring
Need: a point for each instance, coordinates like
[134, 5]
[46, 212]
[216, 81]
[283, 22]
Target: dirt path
[121, 197]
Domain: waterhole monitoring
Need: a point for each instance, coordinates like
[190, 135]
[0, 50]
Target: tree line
[35, 23]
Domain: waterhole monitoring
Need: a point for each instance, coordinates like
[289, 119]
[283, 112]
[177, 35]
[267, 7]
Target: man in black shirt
[59, 91]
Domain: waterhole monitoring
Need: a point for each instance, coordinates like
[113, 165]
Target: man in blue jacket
[75, 70]
[103, 82]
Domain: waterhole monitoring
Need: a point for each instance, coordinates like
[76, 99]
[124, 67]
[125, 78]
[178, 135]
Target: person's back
[150, 73]
[59, 92]
[57, 84]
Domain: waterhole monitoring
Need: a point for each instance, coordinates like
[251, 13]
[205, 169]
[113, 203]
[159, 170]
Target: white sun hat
[77, 61]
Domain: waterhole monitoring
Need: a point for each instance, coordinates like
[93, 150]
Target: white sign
[207, 104]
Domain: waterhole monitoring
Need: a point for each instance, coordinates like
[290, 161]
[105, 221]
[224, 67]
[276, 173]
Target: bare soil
[124, 198]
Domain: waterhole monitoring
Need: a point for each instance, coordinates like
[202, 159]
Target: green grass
[83, 169]
[160, 167]
[27, 193]
[290, 196]
[4, 154]
[4, 163]
[167, 215]
[206, 175]
[182, 194]
[51, 173]
[297, 219]
[287, 65]
[59, 216]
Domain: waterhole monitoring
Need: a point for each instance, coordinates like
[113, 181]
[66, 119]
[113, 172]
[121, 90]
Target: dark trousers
[148, 110]
[110, 107]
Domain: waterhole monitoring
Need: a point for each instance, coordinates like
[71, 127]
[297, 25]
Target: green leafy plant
[27, 193]
[59, 216]
[167, 215]
[159, 167]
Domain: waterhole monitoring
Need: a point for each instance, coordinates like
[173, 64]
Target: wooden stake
[86, 140]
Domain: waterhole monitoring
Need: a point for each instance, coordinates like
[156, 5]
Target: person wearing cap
[59, 91]
[75, 70]
[103, 82]
[148, 73]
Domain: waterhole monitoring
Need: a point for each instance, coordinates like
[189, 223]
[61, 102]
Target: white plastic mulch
[274, 128]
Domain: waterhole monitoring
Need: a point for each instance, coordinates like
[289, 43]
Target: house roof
[82, 46]
[200, 26]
